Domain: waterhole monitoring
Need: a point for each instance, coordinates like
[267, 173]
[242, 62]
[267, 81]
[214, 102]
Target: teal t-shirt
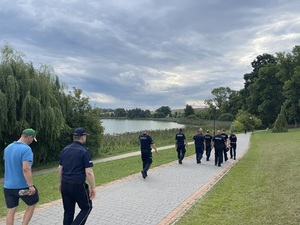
[14, 155]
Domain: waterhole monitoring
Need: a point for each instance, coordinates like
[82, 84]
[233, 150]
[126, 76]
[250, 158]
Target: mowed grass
[263, 188]
[105, 172]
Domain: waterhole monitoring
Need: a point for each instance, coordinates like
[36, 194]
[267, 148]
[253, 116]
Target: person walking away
[199, 145]
[226, 146]
[232, 141]
[75, 166]
[180, 145]
[218, 144]
[18, 181]
[208, 139]
[146, 145]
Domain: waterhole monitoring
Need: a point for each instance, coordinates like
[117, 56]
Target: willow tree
[30, 98]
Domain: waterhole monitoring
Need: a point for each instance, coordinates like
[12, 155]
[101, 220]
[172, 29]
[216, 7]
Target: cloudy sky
[149, 53]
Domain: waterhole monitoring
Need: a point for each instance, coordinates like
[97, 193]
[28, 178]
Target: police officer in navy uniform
[208, 138]
[146, 144]
[180, 145]
[199, 145]
[75, 166]
[225, 136]
[218, 144]
[232, 142]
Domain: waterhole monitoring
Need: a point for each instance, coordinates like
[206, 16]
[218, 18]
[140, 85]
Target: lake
[116, 126]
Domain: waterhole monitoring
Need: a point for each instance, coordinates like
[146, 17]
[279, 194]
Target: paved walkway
[161, 198]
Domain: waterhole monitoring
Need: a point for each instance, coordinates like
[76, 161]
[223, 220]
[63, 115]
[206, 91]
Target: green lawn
[263, 188]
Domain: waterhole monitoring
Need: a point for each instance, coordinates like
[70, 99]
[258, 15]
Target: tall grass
[127, 142]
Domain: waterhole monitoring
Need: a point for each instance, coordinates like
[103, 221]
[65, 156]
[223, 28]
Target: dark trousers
[72, 194]
[147, 159]
[233, 151]
[218, 156]
[199, 153]
[180, 152]
[225, 153]
[208, 151]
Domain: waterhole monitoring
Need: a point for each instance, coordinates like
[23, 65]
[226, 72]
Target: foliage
[226, 117]
[188, 111]
[280, 124]
[36, 98]
[164, 111]
[246, 121]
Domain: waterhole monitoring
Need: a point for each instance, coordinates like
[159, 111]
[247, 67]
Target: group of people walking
[221, 142]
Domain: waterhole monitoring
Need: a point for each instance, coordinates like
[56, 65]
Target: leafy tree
[81, 114]
[188, 110]
[165, 110]
[120, 112]
[221, 97]
[246, 121]
[280, 124]
[36, 98]
[226, 117]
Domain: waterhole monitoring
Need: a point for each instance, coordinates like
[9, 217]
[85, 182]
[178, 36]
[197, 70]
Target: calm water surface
[112, 126]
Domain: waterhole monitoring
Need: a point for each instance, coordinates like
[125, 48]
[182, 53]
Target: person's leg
[28, 214]
[231, 151]
[201, 154]
[197, 154]
[148, 161]
[234, 151]
[225, 154]
[216, 157]
[183, 153]
[68, 203]
[81, 195]
[10, 216]
[220, 156]
[178, 154]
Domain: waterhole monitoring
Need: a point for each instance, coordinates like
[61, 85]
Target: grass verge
[263, 188]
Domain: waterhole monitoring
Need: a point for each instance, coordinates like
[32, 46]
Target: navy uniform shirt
[232, 139]
[180, 138]
[74, 159]
[146, 141]
[218, 141]
[207, 139]
[225, 136]
[198, 140]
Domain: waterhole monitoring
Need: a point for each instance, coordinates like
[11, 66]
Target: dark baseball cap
[80, 131]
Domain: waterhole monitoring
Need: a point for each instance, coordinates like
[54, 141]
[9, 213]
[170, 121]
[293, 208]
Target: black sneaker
[180, 162]
[144, 175]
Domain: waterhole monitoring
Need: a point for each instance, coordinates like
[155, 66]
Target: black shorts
[12, 197]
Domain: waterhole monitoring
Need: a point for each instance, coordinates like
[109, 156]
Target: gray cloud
[145, 53]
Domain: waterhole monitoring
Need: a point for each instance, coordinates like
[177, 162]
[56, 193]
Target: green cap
[30, 132]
